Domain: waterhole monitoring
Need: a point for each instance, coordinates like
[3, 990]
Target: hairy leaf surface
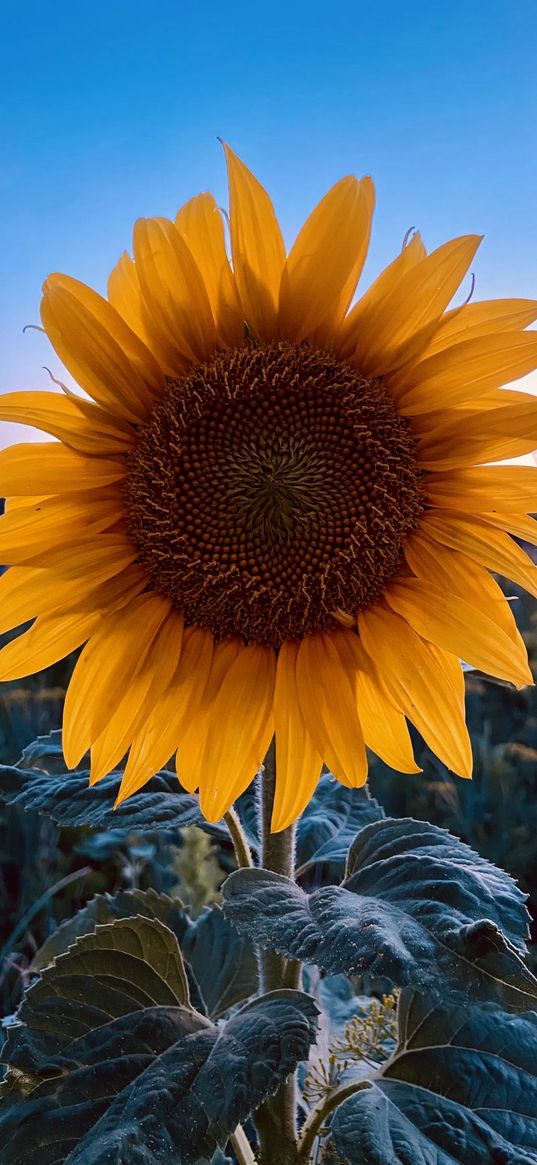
[417, 908]
[222, 964]
[462, 1086]
[68, 799]
[109, 1061]
[329, 824]
[104, 908]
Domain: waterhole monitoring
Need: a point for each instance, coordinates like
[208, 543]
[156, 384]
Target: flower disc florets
[272, 487]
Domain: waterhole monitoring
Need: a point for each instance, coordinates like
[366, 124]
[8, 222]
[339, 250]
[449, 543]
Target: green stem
[242, 1147]
[240, 843]
[319, 1114]
[276, 1119]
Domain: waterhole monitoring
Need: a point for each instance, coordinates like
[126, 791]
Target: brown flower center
[272, 487]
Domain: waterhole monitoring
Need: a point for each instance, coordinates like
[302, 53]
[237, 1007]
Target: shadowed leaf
[462, 1086]
[109, 1062]
[42, 783]
[222, 966]
[224, 963]
[45, 754]
[68, 799]
[329, 824]
[105, 908]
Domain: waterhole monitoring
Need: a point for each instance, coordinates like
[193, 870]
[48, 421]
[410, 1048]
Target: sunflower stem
[243, 853]
[276, 1119]
[242, 1148]
[317, 1117]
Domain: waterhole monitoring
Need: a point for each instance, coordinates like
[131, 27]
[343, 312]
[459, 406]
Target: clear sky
[111, 110]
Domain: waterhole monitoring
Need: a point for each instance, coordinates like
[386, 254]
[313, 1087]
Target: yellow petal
[53, 468]
[466, 370]
[99, 349]
[200, 224]
[460, 628]
[416, 301]
[28, 533]
[240, 730]
[162, 731]
[472, 320]
[326, 685]
[257, 248]
[112, 594]
[27, 591]
[125, 295]
[473, 437]
[330, 249]
[459, 575]
[96, 559]
[192, 744]
[385, 284]
[517, 524]
[492, 548]
[78, 423]
[451, 668]
[503, 487]
[385, 728]
[298, 763]
[333, 325]
[49, 639]
[152, 674]
[419, 687]
[22, 503]
[104, 671]
[495, 398]
[176, 308]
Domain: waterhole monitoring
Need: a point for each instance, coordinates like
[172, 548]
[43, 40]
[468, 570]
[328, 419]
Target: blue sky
[112, 110]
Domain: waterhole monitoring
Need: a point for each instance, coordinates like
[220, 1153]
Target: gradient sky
[112, 110]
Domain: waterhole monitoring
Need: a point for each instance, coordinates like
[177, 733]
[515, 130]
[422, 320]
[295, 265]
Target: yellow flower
[275, 514]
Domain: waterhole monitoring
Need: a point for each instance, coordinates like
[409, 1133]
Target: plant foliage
[142, 1037]
[417, 907]
[455, 1090]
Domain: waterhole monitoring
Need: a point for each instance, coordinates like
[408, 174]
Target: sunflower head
[271, 512]
[272, 486]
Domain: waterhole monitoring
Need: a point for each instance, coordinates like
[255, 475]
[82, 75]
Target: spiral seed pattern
[272, 487]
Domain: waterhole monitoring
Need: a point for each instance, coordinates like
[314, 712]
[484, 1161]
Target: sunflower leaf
[329, 824]
[108, 1059]
[221, 966]
[67, 798]
[418, 908]
[45, 753]
[462, 1086]
[42, 783]
[104, 908]
[223, 962]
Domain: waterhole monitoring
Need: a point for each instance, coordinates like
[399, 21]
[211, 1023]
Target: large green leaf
[122, 967]
[45, 753]
[223, 962]
[105, 908]
[461, 1087]
[418, 908]
[109, 1062]
[330, 821]
[398, 857]
[67, 798]
[222, 965]
[42, 783]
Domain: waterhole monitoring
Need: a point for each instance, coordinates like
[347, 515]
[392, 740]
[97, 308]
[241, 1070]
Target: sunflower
[271, 513]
